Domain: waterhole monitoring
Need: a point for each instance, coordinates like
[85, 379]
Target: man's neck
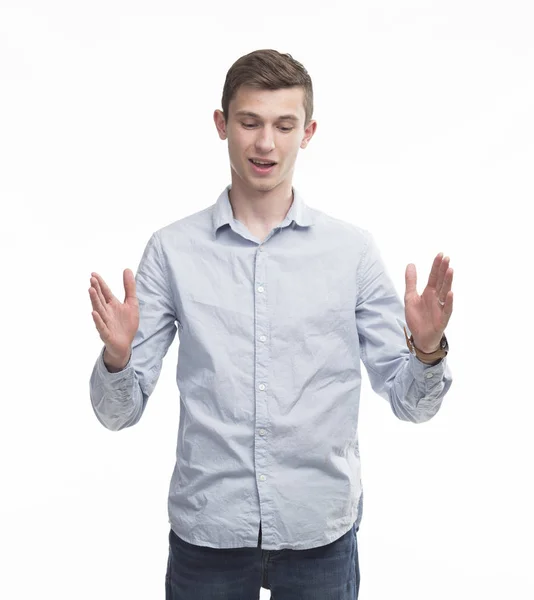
[260, 211]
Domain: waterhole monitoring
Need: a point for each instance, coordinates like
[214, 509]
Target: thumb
[411, 279]
[129, 285]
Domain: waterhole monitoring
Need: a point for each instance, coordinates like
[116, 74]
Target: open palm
[117, 322]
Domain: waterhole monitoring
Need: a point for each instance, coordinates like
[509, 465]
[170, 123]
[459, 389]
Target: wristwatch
[441, 352]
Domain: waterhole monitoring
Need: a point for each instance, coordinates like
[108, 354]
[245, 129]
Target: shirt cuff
[427, 374]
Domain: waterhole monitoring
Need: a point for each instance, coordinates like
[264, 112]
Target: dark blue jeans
[328, 572]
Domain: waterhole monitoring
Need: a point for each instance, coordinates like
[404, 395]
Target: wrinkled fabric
[272, 336]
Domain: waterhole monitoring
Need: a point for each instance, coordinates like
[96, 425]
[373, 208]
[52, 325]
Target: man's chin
[259, 184]
[264, 185]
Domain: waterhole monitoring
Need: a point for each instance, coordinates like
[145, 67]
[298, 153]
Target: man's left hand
[427, 315]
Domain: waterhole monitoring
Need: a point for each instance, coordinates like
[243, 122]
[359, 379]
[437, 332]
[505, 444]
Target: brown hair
[267, 70]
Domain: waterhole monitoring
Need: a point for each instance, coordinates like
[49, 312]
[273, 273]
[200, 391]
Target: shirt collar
[298, 212]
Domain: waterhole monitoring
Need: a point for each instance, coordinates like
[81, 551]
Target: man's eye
[251, 125]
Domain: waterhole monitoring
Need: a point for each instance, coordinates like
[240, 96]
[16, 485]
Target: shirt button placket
[261, 374]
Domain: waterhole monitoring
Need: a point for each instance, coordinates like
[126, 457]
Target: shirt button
[262, 431]
[429, 375]
[261, 387]
[261, 248]
[261, 288]
[263, 338]
[262, 478]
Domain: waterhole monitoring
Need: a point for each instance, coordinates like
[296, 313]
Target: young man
[276, 304]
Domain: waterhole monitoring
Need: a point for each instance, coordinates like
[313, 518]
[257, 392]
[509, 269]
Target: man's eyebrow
[248, 113]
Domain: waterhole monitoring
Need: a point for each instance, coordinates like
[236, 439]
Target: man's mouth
[262, 166]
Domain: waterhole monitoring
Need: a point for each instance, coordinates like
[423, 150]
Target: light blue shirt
[271, 335]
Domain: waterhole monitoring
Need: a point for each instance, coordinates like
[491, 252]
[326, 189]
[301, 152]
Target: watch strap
[427, 357]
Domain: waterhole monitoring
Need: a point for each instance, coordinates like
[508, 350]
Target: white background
[425, 137]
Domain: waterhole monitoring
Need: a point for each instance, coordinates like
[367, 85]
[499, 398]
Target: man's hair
[267, 70]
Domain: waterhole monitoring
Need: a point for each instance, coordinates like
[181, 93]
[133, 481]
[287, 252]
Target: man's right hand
[116, 322]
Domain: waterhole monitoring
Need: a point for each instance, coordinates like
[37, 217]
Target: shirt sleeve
[119, 399]
[414, 390]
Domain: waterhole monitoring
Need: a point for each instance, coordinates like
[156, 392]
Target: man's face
[264, 125]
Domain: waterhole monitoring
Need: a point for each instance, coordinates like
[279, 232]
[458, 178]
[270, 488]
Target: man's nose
[265, 140]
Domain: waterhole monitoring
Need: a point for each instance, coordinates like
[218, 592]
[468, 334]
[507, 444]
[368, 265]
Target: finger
[95, 298]
[129, 284]
[100, 325]
[101, 302]
[434, 271]
[98, 307]
[447, 308]
[108, 296]
[410, 277]
[95, 301]
[441, 273]
[447, 284]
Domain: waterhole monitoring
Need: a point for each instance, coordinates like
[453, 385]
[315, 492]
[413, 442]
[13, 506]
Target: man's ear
[220, 123]
[308, 133]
